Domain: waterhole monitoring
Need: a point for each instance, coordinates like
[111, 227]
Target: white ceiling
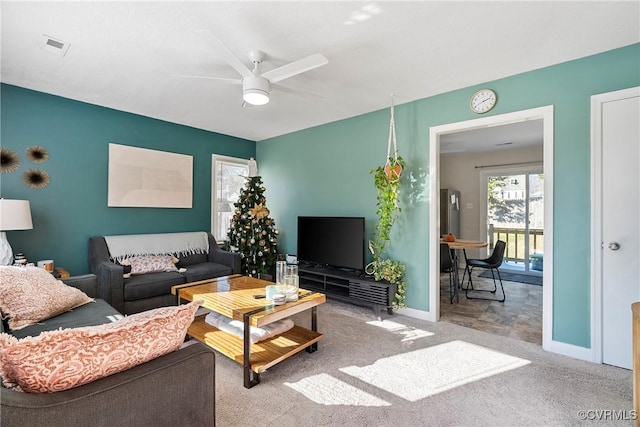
[125, 55]
[494, 138]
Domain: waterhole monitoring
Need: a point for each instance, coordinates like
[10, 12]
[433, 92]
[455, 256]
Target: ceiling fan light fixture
[255, 90]
[256, 86]
[255, 96]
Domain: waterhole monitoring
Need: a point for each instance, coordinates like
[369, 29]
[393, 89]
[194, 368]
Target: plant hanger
[386, 179]
[392, 167]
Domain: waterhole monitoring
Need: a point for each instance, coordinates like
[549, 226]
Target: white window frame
[216, 161]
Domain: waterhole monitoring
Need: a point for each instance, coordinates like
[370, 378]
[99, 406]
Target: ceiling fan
[256, 86]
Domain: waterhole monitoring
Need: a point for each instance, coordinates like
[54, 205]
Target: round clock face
[483, 100]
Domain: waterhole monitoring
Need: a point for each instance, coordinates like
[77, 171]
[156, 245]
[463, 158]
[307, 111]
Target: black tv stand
[349, 286]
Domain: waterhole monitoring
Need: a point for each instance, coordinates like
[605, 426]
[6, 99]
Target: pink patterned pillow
[30, 294]
[67, 358]
[151, 263]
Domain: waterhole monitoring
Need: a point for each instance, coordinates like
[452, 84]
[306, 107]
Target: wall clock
[483, 101]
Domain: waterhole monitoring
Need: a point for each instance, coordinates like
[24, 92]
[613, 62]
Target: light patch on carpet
[409, 333]
[428, 371]
[327, 390]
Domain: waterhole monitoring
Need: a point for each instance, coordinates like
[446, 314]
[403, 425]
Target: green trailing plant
[387, 183]
[388, 203]
[392, 271]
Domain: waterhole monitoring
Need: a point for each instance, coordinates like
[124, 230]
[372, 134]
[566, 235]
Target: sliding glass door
[514, 213]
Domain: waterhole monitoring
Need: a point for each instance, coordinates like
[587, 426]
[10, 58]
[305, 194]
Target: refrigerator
[449, 212]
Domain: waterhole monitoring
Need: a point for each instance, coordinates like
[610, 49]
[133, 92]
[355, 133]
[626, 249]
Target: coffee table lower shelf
[264, 354]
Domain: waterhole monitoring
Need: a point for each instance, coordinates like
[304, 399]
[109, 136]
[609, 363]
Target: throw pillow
[256, 334]
[126, 267]
[151, 263]
[30, 294]
[67, 358]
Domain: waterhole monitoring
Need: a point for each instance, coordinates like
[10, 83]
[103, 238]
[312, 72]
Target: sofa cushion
[30, 294]
[143, 264]
[67, 358]
[206, 270]
[92, 314]
[151, 285]
[187, 260]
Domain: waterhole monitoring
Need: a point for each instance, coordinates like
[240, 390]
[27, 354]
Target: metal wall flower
[37, 154]
[36, 178]
[9, 160]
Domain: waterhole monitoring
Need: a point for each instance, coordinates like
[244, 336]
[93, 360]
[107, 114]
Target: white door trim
[545, 113]
[596, 214]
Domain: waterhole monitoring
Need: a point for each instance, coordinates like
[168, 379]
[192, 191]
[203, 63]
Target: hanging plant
[382, 268]
[387, 182]
[393, 169]
[388, 202]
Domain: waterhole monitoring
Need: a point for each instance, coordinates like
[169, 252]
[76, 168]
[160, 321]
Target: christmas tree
[252, 232]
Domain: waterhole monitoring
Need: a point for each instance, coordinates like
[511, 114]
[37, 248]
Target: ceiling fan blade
[220, 79]
[221, 49]
[294, 91]
[296, 67]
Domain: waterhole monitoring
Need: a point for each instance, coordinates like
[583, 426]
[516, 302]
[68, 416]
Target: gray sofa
[198, 253]
[177, 389]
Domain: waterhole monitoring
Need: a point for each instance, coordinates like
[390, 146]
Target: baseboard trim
[570, 350]
[561, 348]
[417, 314]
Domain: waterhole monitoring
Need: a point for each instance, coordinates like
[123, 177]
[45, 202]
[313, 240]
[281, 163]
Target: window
[228, 178]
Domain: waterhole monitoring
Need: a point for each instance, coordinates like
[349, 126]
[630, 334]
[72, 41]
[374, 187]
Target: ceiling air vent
[54, 45]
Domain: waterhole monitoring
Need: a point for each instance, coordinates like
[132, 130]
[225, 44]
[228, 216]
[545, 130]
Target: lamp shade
[15, 215]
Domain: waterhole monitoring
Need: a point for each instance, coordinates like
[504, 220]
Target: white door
[620, 236]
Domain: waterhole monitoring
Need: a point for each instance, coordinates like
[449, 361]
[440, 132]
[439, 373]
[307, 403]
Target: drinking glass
[291, 283]
[281, 271]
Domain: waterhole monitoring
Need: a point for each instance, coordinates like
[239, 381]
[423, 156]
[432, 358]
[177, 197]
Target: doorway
[546, 115]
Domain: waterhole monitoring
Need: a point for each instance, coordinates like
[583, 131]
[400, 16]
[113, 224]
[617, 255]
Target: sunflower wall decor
[9, 160]
[36, 178]
[37, 154]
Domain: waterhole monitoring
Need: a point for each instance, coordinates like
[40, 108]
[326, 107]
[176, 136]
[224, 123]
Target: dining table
[462, 245]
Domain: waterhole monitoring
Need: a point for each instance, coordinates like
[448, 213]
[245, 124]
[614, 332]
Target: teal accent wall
[325, 171]
[73, 207]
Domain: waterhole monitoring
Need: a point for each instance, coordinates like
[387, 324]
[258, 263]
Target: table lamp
[14, 215]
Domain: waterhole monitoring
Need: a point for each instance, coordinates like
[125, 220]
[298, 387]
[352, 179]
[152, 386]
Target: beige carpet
[407, 372]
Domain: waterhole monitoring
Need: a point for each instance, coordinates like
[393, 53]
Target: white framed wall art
[140, 177]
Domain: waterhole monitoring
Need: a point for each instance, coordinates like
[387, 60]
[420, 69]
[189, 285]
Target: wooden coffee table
[232, 296]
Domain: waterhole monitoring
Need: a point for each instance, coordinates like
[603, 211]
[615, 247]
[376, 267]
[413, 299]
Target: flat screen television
[336, 242]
